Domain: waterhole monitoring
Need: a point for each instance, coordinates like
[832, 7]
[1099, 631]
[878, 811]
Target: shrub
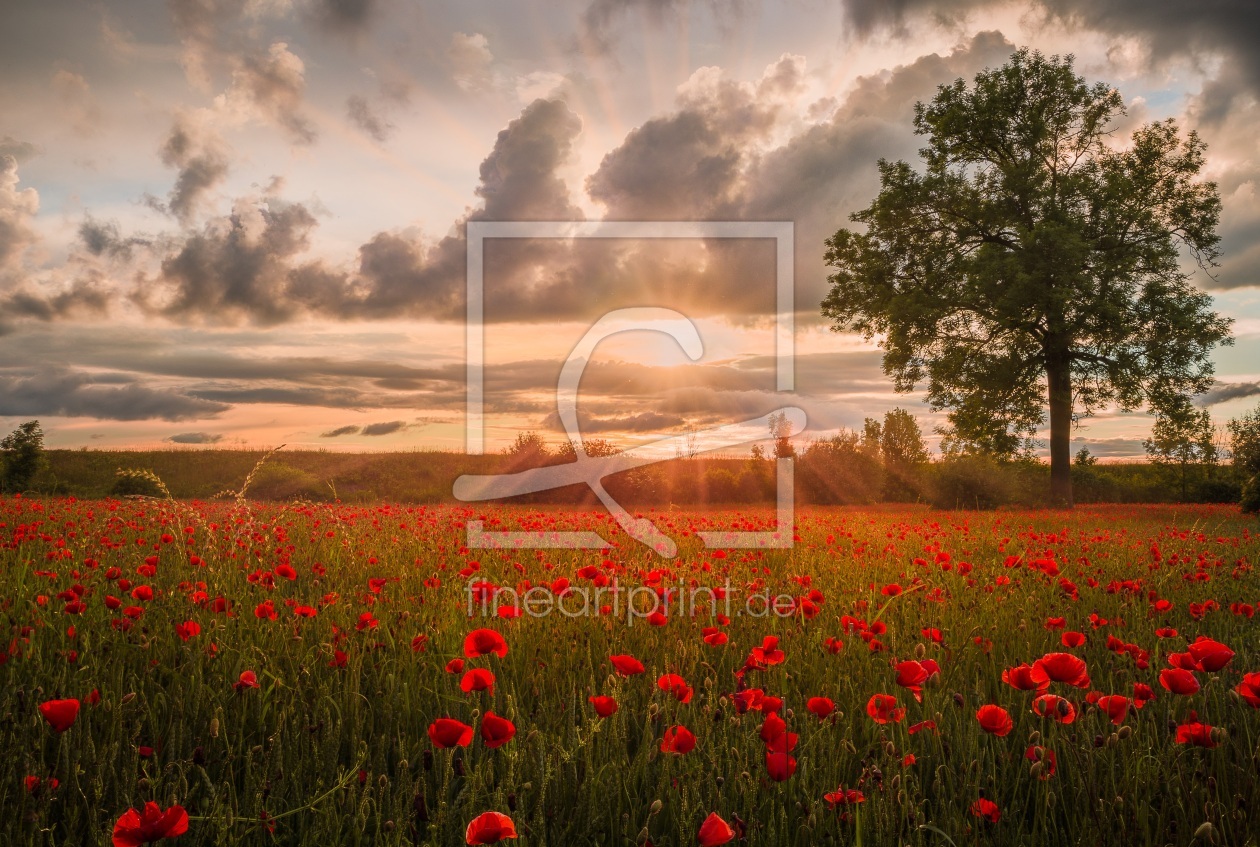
[1250, 501]
[972, 482]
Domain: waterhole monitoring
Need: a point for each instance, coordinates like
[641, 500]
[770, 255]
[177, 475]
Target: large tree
[1032, 262]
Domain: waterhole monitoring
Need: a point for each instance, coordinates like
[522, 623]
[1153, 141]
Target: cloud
[64, 392]
[82, 298]
[384, 428]
[21, 151]
[1117, 448]
[345, 17]
[202, 157]
[470, 58]
[340, 431]
[80, 106]
[236, 267]
[1225, 391]
[363, 115]
[272, 86]
[195, 438]
[17, 207]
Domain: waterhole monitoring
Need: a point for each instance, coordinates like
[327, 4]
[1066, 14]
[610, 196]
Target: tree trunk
[1059, 377]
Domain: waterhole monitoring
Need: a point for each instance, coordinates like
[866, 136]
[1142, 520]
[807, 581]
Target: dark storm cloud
[82, 299]
[195, 438]
[384, 428]
[1226, 391]
[59, 391]
[346, 17]
[1168, 27]
[340, 431]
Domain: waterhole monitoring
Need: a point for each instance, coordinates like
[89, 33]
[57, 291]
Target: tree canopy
[1033, 262]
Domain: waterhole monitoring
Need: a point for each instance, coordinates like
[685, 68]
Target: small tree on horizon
[1033, 265]
[1182, 437]
[23, 456]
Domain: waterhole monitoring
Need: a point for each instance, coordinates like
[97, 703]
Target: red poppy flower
[748, 699]
[1249, 689]
[187, 630]
[496, 731]
[604, 706]
[60, 714]
[715, 637]
[1063, 667]
[626, 665]
[477, 679]
[911, 675]
[248, 679]
[779, 765]
[995, 720]
[883, 708]
[1178, 681]
[986, 809]
[135, 828]
[676, 686]
[1054, 706]
[1024, 678]
[714, 831]
[915, 728]
[772, 727]
[455, 666]
[1210, 655]
[448, 732]
[1142, 694]
[1166, 632]
[1198, 734]
[489, 828]
[1072, 639]
[822, 707]
[1116, 706]
[844, 797]
[481, 642]
[768, 653]
[678, 739]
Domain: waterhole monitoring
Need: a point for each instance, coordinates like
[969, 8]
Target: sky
[241, 222]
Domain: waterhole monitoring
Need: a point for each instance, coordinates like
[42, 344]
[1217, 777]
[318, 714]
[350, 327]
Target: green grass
[341, 755]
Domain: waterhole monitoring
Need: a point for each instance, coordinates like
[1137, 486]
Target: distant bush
[972, 482]
[1250, 500]
[838, 470]
[279, 481]
[135, 485]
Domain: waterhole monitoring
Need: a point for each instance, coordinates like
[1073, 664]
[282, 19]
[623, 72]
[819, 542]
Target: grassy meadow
[280, 671]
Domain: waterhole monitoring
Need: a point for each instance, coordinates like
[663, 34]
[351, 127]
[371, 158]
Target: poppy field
[197, 673]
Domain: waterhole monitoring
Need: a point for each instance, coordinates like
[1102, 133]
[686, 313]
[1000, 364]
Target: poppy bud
[1124, 732]
[214, 727]
[127, 698]
[655, 808]
[1112, 740]
[383, 782]
[1099, 741]
[920, 651]
[652, 710]
[459, 767]
[511, 802]
[643, 836]
[721, 780]
[958, 700]
[256, 750]
[895, 784]
[476, 713]
[404, 765]
[1050, 799]
[1211, 784]
[1035, 769]
[746, 776]
[1034, 738]
[388, 826]
[1206, 831]
[1219, 734]
[199, 756]
[526, 786]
